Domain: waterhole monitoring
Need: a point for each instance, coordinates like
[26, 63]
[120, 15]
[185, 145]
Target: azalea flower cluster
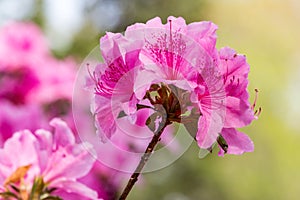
[45, 165]
[152, 77]
[35, 160]
[176, 74]
[30, 77]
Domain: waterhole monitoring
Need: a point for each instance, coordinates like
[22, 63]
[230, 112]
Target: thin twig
[134, 177]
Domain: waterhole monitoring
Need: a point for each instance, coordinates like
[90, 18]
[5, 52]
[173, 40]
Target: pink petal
[74, 190]
[25, 142]
[109, 49]
[63, 135]
[178, 24]
[235, 70]
[45, 140]
[132, 57]
[204, 33]
[23, 146]
[105, 118]
[133, 28]
[71, 162]
[238, 142]
[154, 23]
[5, 166]
[209, 126]
[238, 113]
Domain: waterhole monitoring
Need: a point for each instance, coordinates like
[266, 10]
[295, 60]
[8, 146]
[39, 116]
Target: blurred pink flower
[106, 181]
[21, 43]
[35, 87]
[51, 157]
[56, 80]
[28, 70]
[17, 84]
[32, 81]
[14, 118]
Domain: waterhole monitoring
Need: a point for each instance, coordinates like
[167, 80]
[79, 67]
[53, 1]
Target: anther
[255, 99]
[257, 112]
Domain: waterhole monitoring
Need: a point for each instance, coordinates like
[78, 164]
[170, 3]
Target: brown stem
[134, 177]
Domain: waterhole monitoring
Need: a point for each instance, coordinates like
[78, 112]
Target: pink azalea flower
[184, 55]
[182, 60]
[222, 95]
[114, 80]
[46, 163]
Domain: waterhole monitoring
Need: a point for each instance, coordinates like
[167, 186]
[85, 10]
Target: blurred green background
[266, 31]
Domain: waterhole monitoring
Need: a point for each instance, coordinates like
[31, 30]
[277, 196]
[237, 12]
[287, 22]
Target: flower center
[16, 188]
[170, 104]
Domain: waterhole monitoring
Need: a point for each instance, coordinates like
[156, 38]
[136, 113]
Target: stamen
[232, 79]
[167, 51]
[170, 21]
[92, 75]
[255, 99]
[171, 49]
[257, 112]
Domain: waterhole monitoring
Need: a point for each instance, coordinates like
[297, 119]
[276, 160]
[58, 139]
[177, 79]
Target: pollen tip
[259, 111]
[255, 99]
